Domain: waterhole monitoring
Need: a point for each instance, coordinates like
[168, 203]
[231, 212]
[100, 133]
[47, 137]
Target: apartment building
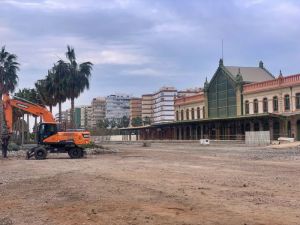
[117, 106]
[86, 117]
[147, 109]
[98, 110]
[135, 108]
[163, 105]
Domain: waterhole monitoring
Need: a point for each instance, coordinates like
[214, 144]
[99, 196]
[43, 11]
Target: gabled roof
[250, 74]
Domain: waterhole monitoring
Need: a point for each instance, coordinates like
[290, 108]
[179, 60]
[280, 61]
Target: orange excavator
[49, 139]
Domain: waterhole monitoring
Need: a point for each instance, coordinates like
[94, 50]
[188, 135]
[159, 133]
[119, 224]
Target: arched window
[265, 105]
[275, 104]
[198, 112]
[247, 107]
[187, 114]
[177, 115]
[255, 106]
[203, 112]
[286, 102]
[298, 101]
[182, 114]
[193, 114]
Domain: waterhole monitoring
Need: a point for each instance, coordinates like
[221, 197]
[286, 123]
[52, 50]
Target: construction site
[168, 112]
[165, 183]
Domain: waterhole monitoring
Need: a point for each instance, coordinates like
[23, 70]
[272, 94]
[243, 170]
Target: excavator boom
[27, 106]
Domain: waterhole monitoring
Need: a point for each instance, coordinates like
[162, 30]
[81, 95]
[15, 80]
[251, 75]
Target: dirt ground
[163, 184]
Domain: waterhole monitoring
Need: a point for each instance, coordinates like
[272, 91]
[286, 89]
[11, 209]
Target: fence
[258, 138]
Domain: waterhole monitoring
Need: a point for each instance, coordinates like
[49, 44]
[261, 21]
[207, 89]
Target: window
[198, 113]
[187, 114]
[203, 111]
[265, 105]
[298, 101]
[182, 115]
[247, 107]
[193, 114]
[255, 106]
[286, 102]
[275, 103]
[177, 115]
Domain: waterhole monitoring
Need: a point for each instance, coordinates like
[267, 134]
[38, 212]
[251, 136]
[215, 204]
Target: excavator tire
[75, 153]
[40, 153]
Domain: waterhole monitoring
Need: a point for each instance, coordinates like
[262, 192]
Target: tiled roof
[250, 74]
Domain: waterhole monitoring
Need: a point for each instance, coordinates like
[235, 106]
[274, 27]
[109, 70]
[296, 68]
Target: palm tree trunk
[22, 127]
[35, 127]
[59, 112]
[1, 117]
[72, 113]
[27, 136]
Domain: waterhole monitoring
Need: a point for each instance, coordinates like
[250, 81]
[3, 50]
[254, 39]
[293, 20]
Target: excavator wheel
[75, 153]
[40, 153]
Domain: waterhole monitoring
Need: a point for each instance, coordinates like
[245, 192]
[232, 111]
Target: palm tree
[8, 78]
[77, 78]
[45, 91]
[59, 84]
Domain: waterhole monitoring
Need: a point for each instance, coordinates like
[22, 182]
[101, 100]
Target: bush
[13, 147]
[93, 145]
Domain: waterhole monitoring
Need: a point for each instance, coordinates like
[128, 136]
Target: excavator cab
[45, 130]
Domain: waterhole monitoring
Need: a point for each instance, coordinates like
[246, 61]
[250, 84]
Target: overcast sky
[138, 46]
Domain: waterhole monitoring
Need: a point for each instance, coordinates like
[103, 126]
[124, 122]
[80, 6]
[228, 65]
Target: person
[5, 140]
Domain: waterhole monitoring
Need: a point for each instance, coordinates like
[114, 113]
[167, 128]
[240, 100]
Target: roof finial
[261, 64]
[221, 62]
[280, 74]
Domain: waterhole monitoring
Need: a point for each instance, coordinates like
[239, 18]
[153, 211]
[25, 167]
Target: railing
[270, 84]
[189, 99]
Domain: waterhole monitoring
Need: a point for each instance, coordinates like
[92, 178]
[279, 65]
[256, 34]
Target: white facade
[86, 116]
[163, 105]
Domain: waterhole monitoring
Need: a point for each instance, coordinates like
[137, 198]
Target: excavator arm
[26, 106]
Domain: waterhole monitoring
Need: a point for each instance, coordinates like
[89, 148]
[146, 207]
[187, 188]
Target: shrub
[13, 147]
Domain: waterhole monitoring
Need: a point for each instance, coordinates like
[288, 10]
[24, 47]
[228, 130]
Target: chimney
[221, 62]
[261, 64]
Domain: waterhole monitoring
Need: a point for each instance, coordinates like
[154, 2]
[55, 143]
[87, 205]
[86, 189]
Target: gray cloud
[140, 45]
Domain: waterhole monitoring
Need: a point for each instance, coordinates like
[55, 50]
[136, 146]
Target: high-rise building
[77, 117]
[98, 110]
[147, 113]
[86, 117]
[117, 106]
[135, 108]
[163, 105]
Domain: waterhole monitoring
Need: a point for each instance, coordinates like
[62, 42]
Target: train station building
[235, 100]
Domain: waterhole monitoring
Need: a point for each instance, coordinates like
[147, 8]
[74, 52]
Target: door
[298, 130]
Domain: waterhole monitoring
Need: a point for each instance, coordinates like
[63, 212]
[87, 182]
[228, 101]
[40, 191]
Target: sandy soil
[163, 184]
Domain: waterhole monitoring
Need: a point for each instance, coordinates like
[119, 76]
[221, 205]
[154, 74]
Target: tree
[103, 123]
[59, 84]
[137, 121]
[45, 91]
[124, 122]
[30, 95]
[113, 123]
[8, 78]
[77, 78]
[147, 120]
